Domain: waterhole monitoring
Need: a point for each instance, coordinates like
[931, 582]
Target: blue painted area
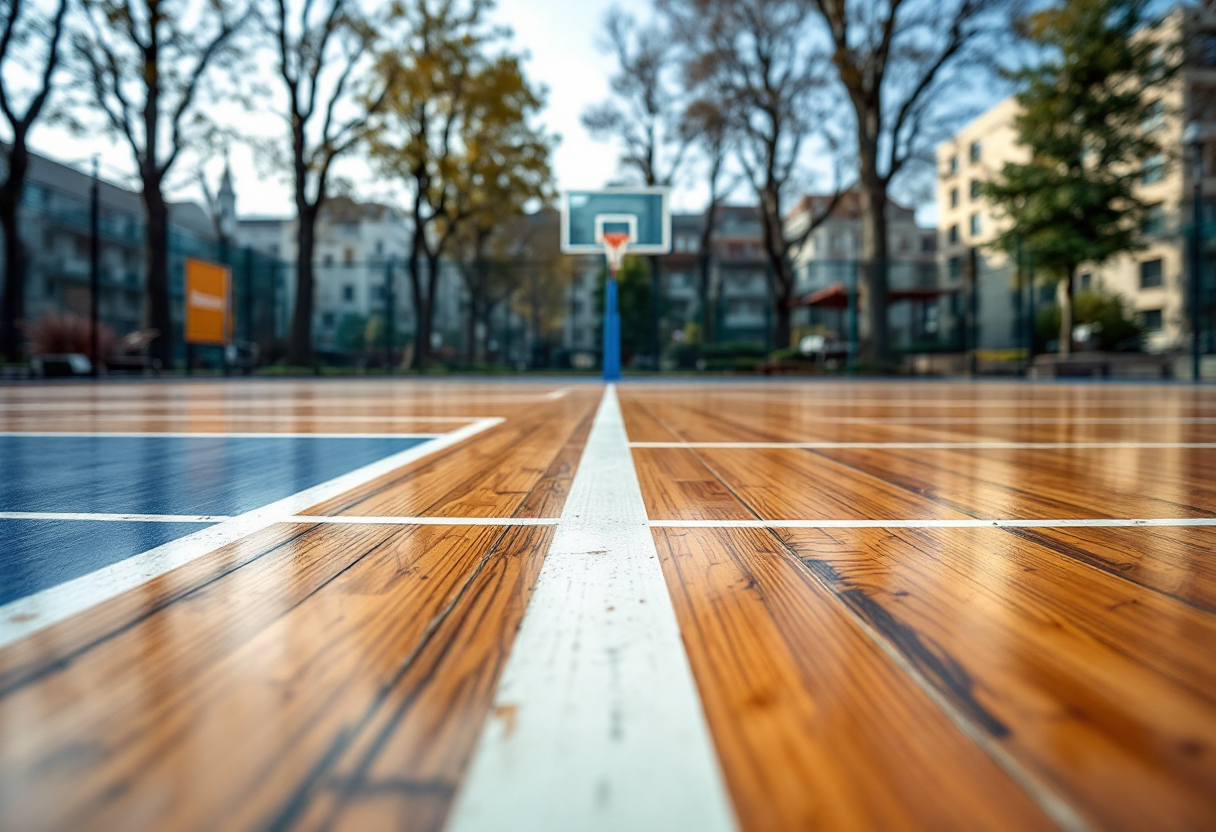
[146, 475]
[173, 475]
[36, 554]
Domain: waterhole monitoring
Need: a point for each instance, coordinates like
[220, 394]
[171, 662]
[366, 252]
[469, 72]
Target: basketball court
[565, 605]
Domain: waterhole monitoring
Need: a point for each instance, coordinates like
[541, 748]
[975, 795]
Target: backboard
[643, 213]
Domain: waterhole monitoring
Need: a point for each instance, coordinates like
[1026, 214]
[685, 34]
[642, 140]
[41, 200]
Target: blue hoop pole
[612, 333]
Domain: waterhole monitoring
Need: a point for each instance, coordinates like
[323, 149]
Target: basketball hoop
[615, 243]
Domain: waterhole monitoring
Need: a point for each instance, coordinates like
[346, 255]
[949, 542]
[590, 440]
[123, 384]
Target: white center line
[923, 446]
[597, 724]
[27, 615]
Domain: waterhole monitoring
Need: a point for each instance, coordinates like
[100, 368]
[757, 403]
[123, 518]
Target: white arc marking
[27, 615]
[597, 722]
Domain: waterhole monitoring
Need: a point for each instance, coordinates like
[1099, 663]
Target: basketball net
[615, 243]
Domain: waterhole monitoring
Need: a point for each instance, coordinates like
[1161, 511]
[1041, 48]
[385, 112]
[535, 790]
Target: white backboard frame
[664, 247]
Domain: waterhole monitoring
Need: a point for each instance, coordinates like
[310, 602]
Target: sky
[559, 37]
[561, 40]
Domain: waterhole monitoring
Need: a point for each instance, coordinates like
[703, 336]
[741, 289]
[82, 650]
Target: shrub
[64, 332]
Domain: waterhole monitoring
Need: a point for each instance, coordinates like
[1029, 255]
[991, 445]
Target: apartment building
[55, 224]
[826, 267]
[1155, 280]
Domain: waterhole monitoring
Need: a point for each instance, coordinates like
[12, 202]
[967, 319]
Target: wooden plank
[1033, 483]
[247, 682]
[402, 769]
[1173, 561]
[815, 726]
[676, 485]
[1093, 684]
[490, 477]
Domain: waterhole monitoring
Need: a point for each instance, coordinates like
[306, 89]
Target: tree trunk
[157, 232]
[12, 310]
[416, 293]
[872, 191]
[1064, 294]
[707, 314]
[299, 352]
[426, 313]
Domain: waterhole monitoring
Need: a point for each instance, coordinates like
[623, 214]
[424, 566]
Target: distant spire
[226, 188]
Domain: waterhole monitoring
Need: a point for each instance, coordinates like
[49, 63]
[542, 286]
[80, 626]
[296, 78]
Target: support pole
[612, 332]
[95, 272]
[388, 317]
[1196, 270]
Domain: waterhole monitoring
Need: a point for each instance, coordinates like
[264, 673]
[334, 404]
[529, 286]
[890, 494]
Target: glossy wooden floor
[867, 656]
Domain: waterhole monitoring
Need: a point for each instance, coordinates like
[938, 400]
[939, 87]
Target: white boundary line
[427, 398]
[801, 523]
[597, 724]
[114, 518]
[236, 417]
[1066, 523]
[24, 616]
[925, 446]
[76, 434]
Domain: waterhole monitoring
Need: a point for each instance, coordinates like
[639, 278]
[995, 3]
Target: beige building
[1154, 281]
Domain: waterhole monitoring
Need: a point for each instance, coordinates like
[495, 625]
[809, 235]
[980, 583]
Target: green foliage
[633, 303]
[1115, 326]
[1082, 110]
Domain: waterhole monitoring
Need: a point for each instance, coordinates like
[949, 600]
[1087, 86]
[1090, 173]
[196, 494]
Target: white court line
[287, 403]
[389, 520]
[243, 417]
[24, 616]
[43, 434]
[1010, 420]
[114, 518]
[354, 520]
[597, 724]
[929, 446]
[1067, 523]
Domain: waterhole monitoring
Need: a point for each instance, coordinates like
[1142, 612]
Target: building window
[952, 234]
[975, 151]
[954, 268]
[348, 293]
[1151, 276]
[1047, 293]
[975, 189]
[1207, 50]
[348, 255]
[327, 319]
[1151, 318]
[327, 260]
[1153, 169]
[1084, 281]
[1154, 219]
[379, 247]
[975, 224]
[952, 166]
[1154, 116]
[954, 197]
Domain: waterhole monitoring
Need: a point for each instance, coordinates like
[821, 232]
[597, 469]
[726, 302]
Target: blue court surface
[149, 475]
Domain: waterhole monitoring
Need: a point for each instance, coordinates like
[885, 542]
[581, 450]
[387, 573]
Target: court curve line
[596, 722]
[32, 613]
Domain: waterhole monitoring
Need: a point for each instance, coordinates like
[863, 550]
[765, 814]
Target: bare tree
[758, 59]
[900, 63]
[20, 27]
[144, 64]
[706, 126]
[643, 117]
[321, 49]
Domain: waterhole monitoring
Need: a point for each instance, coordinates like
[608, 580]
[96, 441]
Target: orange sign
[208, 320]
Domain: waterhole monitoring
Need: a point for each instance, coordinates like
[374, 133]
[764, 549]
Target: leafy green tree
[1082, 111]
[458, 114]
[1115, 327]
